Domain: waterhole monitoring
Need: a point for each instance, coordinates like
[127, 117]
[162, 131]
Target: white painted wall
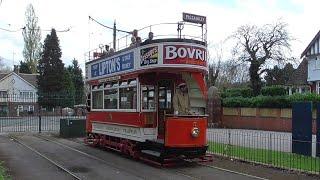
[313, 70]
[14, 84]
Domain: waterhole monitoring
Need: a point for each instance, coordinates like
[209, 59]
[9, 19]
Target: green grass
[269, 157]
[3, 173]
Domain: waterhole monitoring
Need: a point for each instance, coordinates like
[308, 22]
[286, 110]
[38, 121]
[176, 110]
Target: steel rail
[104, 161]
[45, 157]
[228, 170]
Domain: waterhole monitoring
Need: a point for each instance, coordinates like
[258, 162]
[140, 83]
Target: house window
[3, 94]
[31, 108]
[318, 87]
[20, 108]
[317, 63]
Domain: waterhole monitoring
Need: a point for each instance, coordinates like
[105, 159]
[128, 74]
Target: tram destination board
[194, 18]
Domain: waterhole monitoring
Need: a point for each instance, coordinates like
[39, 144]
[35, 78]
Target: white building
[312, 54]
[18, 93]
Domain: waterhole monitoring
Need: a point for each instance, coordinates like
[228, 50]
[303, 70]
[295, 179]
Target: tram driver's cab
[175, 129]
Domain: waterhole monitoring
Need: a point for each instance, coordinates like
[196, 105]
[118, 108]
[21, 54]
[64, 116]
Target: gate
[302, 128]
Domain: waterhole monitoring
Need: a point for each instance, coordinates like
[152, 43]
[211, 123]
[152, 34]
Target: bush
[270, 102]
[274, 91]
[238, 92]
[236, 102]
[258, 101]
[308, 97]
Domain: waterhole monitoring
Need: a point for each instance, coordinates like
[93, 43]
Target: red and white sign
[183, 54]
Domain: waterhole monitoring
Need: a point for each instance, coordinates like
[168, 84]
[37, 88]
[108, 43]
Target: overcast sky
[223, 18]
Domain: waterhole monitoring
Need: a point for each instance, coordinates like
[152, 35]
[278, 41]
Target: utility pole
[114, 35]
[13, 53]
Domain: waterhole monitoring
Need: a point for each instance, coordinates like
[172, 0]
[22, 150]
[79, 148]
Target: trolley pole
[114, 35]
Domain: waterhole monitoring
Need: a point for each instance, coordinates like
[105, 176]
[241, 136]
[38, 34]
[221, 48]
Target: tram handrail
[125, 41]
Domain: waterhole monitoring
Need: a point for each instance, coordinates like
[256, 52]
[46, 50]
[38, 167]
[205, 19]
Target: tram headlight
[195, 132]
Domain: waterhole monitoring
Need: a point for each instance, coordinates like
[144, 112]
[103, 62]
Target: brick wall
[260, 119]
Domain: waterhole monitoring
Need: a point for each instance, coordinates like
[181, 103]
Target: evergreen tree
[24, 68]
[278, 76]
[32, 37]
[68, 94]
[77, 79]
[51, 72]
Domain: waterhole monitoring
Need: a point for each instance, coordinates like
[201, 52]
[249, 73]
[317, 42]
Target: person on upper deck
[181, 101]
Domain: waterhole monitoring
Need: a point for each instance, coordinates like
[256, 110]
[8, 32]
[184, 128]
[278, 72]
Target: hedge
[270, 101]
[274, 91]
[238, 92]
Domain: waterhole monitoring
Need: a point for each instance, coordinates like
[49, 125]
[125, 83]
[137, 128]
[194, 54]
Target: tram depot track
[60, 166]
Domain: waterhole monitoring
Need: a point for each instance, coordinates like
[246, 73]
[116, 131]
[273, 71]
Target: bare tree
[258, 45]
[215, 59]
[232, 73]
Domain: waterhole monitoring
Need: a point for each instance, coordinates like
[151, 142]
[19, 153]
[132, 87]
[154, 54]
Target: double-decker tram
[148, 100]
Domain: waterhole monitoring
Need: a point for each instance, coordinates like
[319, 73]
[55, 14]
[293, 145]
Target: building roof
[2, 75]
[30, 78]
[300, 75]
[314, 40]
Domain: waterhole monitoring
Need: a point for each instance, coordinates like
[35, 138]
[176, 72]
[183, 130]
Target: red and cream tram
[131, 98]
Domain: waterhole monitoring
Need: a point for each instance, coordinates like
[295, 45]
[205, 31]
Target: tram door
[165, 96]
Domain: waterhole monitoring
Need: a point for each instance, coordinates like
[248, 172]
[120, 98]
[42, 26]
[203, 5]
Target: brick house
[18, 94]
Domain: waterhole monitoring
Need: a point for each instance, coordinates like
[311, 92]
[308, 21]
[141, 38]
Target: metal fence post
[229, 142]
[270, 148]
[39, 121]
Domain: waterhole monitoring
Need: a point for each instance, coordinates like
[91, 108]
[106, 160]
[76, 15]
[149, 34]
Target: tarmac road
[24, 164]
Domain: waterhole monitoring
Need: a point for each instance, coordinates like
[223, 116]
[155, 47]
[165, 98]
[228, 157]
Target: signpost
[187, 17]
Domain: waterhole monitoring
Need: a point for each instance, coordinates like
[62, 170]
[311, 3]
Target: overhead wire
[108, 27]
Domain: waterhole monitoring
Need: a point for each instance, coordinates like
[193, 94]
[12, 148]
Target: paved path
[24, 164]
[278, 141]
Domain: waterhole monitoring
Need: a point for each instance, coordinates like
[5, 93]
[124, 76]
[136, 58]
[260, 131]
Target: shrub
[238, 92]
[258, 101]
[274, 91]
[308, 97]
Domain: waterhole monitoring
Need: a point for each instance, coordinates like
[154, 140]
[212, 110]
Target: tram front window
[97, 100]
[148, 98]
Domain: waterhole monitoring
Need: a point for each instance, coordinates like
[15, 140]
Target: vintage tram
[131, 97]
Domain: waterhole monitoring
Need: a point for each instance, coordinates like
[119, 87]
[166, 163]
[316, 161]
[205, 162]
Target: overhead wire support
[119, 30]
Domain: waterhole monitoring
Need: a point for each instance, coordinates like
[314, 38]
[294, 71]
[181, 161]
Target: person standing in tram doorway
[181, 101]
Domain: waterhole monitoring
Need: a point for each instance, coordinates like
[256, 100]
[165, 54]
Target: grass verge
[3, 172]
[269, 157]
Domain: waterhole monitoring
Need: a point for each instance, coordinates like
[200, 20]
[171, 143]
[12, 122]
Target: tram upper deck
[184, 51]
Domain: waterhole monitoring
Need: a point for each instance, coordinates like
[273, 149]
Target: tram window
[94, 87]
[115, 84]
[132, 82]
[164, 98]
[97, 100]
[111, 99]
[148, 99]
[123, 83]
[107, 85]
[128, 98]
[168, 98]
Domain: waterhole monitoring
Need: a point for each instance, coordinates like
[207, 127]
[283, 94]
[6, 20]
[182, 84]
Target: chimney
[16, 69]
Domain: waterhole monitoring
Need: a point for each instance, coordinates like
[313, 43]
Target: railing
[263, 147]
[25, 114]
[180, 30]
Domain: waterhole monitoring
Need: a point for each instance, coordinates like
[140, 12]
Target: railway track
[46, 157]
[85, 154]
[176, 171]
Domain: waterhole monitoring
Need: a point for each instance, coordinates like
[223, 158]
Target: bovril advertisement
[149, 56]
[184, 54]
